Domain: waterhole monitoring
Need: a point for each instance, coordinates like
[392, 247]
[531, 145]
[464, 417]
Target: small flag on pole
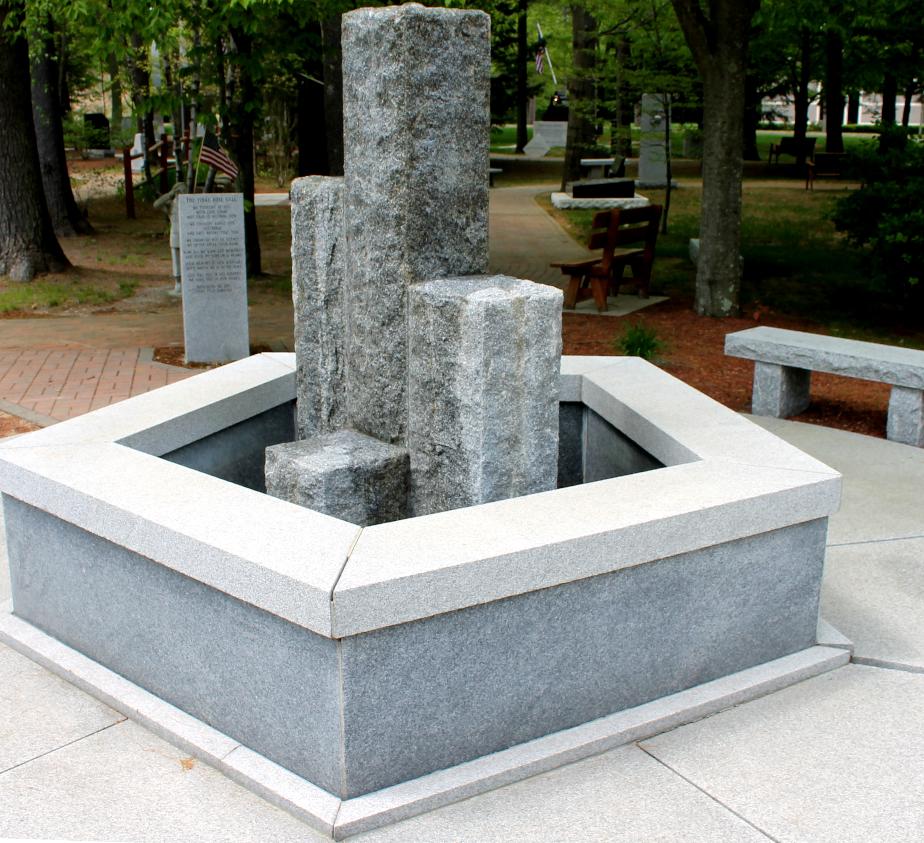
[540, 58]
[212, 155]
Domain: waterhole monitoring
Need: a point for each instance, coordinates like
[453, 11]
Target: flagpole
[548, 55]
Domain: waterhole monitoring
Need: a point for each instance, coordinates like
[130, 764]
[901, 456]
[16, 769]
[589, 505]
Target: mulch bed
[695, 354]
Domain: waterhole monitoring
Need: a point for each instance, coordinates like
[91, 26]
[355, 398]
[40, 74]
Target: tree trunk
[333, 93]
[244, 114]
[800, 127]
[751, 119]
[27, 240]
[141, 83]
[906, 109]
[621, 133]
[66, 217]
[719, 44]
[310, 125]
[889, 94]
[582, 134]
[115, 95]
[853, 109]
[834, 92]
[522, 62]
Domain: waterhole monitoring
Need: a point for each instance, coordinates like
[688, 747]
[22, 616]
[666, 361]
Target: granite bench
[784, 361]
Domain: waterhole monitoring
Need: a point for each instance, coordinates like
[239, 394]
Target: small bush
[885, 217]
[638, 340]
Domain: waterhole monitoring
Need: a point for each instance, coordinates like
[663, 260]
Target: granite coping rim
[344, 818]
[328, 589]
[853, 358]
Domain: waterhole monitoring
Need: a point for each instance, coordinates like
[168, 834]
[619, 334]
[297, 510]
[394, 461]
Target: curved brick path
[57, 367]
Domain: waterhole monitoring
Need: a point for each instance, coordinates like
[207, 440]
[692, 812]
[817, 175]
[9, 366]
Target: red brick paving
[60, 383]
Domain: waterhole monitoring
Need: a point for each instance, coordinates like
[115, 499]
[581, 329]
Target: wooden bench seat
[612, 232]
[784, 361]
[825, 164]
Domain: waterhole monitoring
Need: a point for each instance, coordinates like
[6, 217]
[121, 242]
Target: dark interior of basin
[589, 448]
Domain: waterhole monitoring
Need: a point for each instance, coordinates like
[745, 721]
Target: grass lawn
[795, 263]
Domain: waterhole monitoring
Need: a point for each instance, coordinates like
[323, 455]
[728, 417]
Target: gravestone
[412, 207]
[652, 160]
[214, 271]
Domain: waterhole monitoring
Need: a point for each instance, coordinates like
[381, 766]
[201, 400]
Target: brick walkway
[52, 369]
[48, 385]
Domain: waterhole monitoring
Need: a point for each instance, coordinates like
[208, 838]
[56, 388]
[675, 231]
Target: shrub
[638, 340]
[885, 217]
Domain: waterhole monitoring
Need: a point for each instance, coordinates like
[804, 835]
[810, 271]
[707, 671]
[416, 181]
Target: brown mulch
[695, 354]
[11, 425]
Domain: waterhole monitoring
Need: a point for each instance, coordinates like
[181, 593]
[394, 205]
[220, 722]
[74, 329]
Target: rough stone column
[779, 391]
[317, 293]
[416, 127]
[485, 354]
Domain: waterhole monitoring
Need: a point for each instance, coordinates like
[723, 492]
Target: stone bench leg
[779, 391]
[906, 416]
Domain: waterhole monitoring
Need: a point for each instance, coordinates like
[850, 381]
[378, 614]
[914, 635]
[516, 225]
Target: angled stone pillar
[484, 354]
[317, 293]
[416, 127]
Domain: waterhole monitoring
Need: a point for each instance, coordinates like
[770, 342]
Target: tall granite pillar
[416, 125]
[317, 294]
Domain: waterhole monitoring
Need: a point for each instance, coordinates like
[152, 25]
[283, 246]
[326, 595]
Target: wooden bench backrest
[623, 227]
[789, 146]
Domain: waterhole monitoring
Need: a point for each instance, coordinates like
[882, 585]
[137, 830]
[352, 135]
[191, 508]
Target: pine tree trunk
[751, 120]
[800, 127]
[522, 60]
[834, 92]
[242, 143]
[333, 93]
[66, 217]
[582, 133]
[889, 93]
[28, 245]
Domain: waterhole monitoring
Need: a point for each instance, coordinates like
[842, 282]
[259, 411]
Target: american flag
[213, 155]
[540, 59]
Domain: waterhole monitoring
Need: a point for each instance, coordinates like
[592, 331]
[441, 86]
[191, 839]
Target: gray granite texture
[905, 422]
[236, 453]
[214, 261]
[415, 128]
[610, 453]
[484, 355]
[425, 695]
[839, 356]
[652, 160]
[780, 391]
[570, 443]
[344, 474]
[317, 294]
[269, 684]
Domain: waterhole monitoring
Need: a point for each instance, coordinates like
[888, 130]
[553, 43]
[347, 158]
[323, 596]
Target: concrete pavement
[836, 758]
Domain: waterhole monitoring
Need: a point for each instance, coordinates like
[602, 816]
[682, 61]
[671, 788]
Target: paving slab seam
[706, 793]
[885, 664]
[62, 746]
[915, 537]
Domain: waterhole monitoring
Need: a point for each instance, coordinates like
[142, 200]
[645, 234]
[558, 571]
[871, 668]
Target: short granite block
[425, 695]
[779, 391]
[265, 682]
[906, 416]
[415, 130]
[317, 293]
[484, 356]
[343, 474]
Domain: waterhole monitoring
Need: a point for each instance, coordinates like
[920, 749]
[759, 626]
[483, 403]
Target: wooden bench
[611, 231]
[790, 146]
[825, 164]
[784, 362]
